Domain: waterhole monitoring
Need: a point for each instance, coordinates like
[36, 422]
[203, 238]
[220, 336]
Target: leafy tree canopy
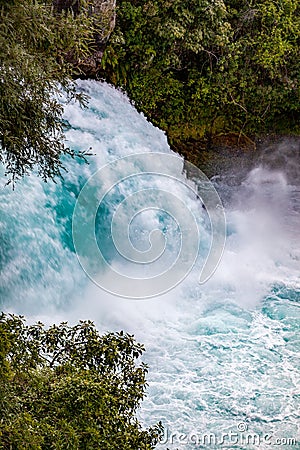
[36, 44]
[70, 388]
[202, 67]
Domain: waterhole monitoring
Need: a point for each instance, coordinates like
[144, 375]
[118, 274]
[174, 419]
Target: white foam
[219, 353]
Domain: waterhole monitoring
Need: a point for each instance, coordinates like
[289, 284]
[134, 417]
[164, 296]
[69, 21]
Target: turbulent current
[223, 356]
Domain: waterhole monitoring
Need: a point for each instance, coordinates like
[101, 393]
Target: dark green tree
[39, 54]
[70, 388]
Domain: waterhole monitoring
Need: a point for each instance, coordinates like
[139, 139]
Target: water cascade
[223, 355]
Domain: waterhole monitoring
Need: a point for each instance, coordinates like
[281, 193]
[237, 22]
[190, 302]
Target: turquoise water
[224, 356]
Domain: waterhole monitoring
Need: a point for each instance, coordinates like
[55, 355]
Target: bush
[67, 387]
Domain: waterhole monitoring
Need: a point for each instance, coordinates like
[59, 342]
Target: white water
[220, 354]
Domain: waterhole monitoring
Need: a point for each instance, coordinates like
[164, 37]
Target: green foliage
[262, 65]
[35, 47]
[194, 68]
[200, 68]
[70, 388]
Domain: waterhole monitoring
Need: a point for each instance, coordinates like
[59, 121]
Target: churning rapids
[223, 356]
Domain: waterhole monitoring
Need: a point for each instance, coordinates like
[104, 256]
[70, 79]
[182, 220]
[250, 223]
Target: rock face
[103, 13]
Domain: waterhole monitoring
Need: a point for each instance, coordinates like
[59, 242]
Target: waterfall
[223, 355]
